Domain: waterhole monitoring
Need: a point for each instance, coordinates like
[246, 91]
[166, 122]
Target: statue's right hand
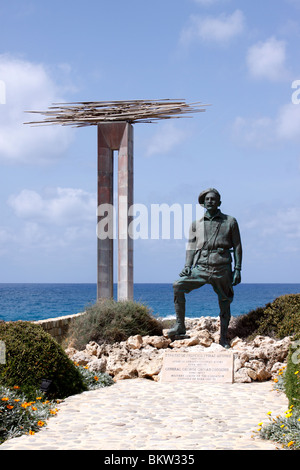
[186, 271]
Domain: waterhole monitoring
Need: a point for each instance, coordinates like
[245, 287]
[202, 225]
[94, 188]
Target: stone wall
[57, 327]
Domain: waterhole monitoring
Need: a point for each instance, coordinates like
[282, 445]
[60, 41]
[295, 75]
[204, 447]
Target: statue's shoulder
[228, 218]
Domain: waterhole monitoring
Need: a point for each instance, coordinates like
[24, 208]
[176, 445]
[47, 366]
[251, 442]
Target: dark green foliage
[292, 376]
[33, 355]
[245, 326]
[282, 317]
[278, 319]
[109, 321]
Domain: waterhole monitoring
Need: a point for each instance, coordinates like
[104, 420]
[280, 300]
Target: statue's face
[211, 202]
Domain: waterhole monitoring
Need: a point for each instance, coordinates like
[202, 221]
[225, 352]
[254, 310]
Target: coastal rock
[142, 356]
[185, 343]
[98, 365]
[158, 342]
[205, 338]
[93, 348]
[242, 376]
[134, 342]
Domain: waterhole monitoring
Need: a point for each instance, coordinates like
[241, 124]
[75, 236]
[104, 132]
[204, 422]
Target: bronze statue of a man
[209, 261]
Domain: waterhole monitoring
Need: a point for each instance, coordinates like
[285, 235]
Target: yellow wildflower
[4, 399]
[40, 423]
[290, 443]
[31, 433]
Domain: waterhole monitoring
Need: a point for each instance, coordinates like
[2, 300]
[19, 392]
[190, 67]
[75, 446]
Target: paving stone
[139, 414]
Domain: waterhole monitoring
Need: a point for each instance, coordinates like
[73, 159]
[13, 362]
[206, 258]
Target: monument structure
[114, 121]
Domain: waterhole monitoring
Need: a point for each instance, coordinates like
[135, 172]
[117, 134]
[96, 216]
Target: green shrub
[281, 318]
[245, 326]
[292, 376]
[31, 356]
[109, 321]
[278, 319]
[92, 380]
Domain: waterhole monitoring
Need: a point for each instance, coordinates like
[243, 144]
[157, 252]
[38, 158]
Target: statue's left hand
[236, 277]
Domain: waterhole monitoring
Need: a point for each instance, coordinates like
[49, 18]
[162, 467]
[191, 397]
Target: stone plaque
[2, 353]
[199, 367]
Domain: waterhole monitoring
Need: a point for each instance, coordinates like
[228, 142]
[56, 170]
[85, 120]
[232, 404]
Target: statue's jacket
[211, 241]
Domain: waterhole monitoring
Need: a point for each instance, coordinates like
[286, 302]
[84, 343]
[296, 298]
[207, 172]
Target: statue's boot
[224, 323]
[179, 328]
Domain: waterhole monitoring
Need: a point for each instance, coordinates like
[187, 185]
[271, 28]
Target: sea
[31, 302]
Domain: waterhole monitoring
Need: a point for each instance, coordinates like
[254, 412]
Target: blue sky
[240, 57]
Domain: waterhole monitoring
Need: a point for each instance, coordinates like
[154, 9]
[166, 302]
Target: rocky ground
[258, 360]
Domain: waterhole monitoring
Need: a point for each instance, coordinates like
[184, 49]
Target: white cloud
[258, 132]
[165, 140]
[28, 87]
[55, 222]
[274, 230]
[267, 60]
[58, 206]
[264, 131]
[218, 30]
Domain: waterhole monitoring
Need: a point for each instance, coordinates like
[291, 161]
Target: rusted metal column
[125, 201]
[115, 136]
[105, 200]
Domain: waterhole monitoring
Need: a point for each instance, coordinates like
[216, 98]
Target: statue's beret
[203, 194]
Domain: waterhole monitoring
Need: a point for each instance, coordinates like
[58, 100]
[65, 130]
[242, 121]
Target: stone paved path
[142, 414]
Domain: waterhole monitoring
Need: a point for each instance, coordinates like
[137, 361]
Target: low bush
[278, 319]
[92, 380]
[109, 321]
[32, 356]
[281, 318]
[283, 429]
[245, 326]
[286, 429]
[19, 416]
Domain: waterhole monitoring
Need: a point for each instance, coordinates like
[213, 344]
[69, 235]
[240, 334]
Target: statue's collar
[217, 214]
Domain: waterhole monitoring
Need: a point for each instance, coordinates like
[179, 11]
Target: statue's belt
[221, 251]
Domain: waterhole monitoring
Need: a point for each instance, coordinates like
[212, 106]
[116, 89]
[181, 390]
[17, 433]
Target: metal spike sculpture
[114, 121]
